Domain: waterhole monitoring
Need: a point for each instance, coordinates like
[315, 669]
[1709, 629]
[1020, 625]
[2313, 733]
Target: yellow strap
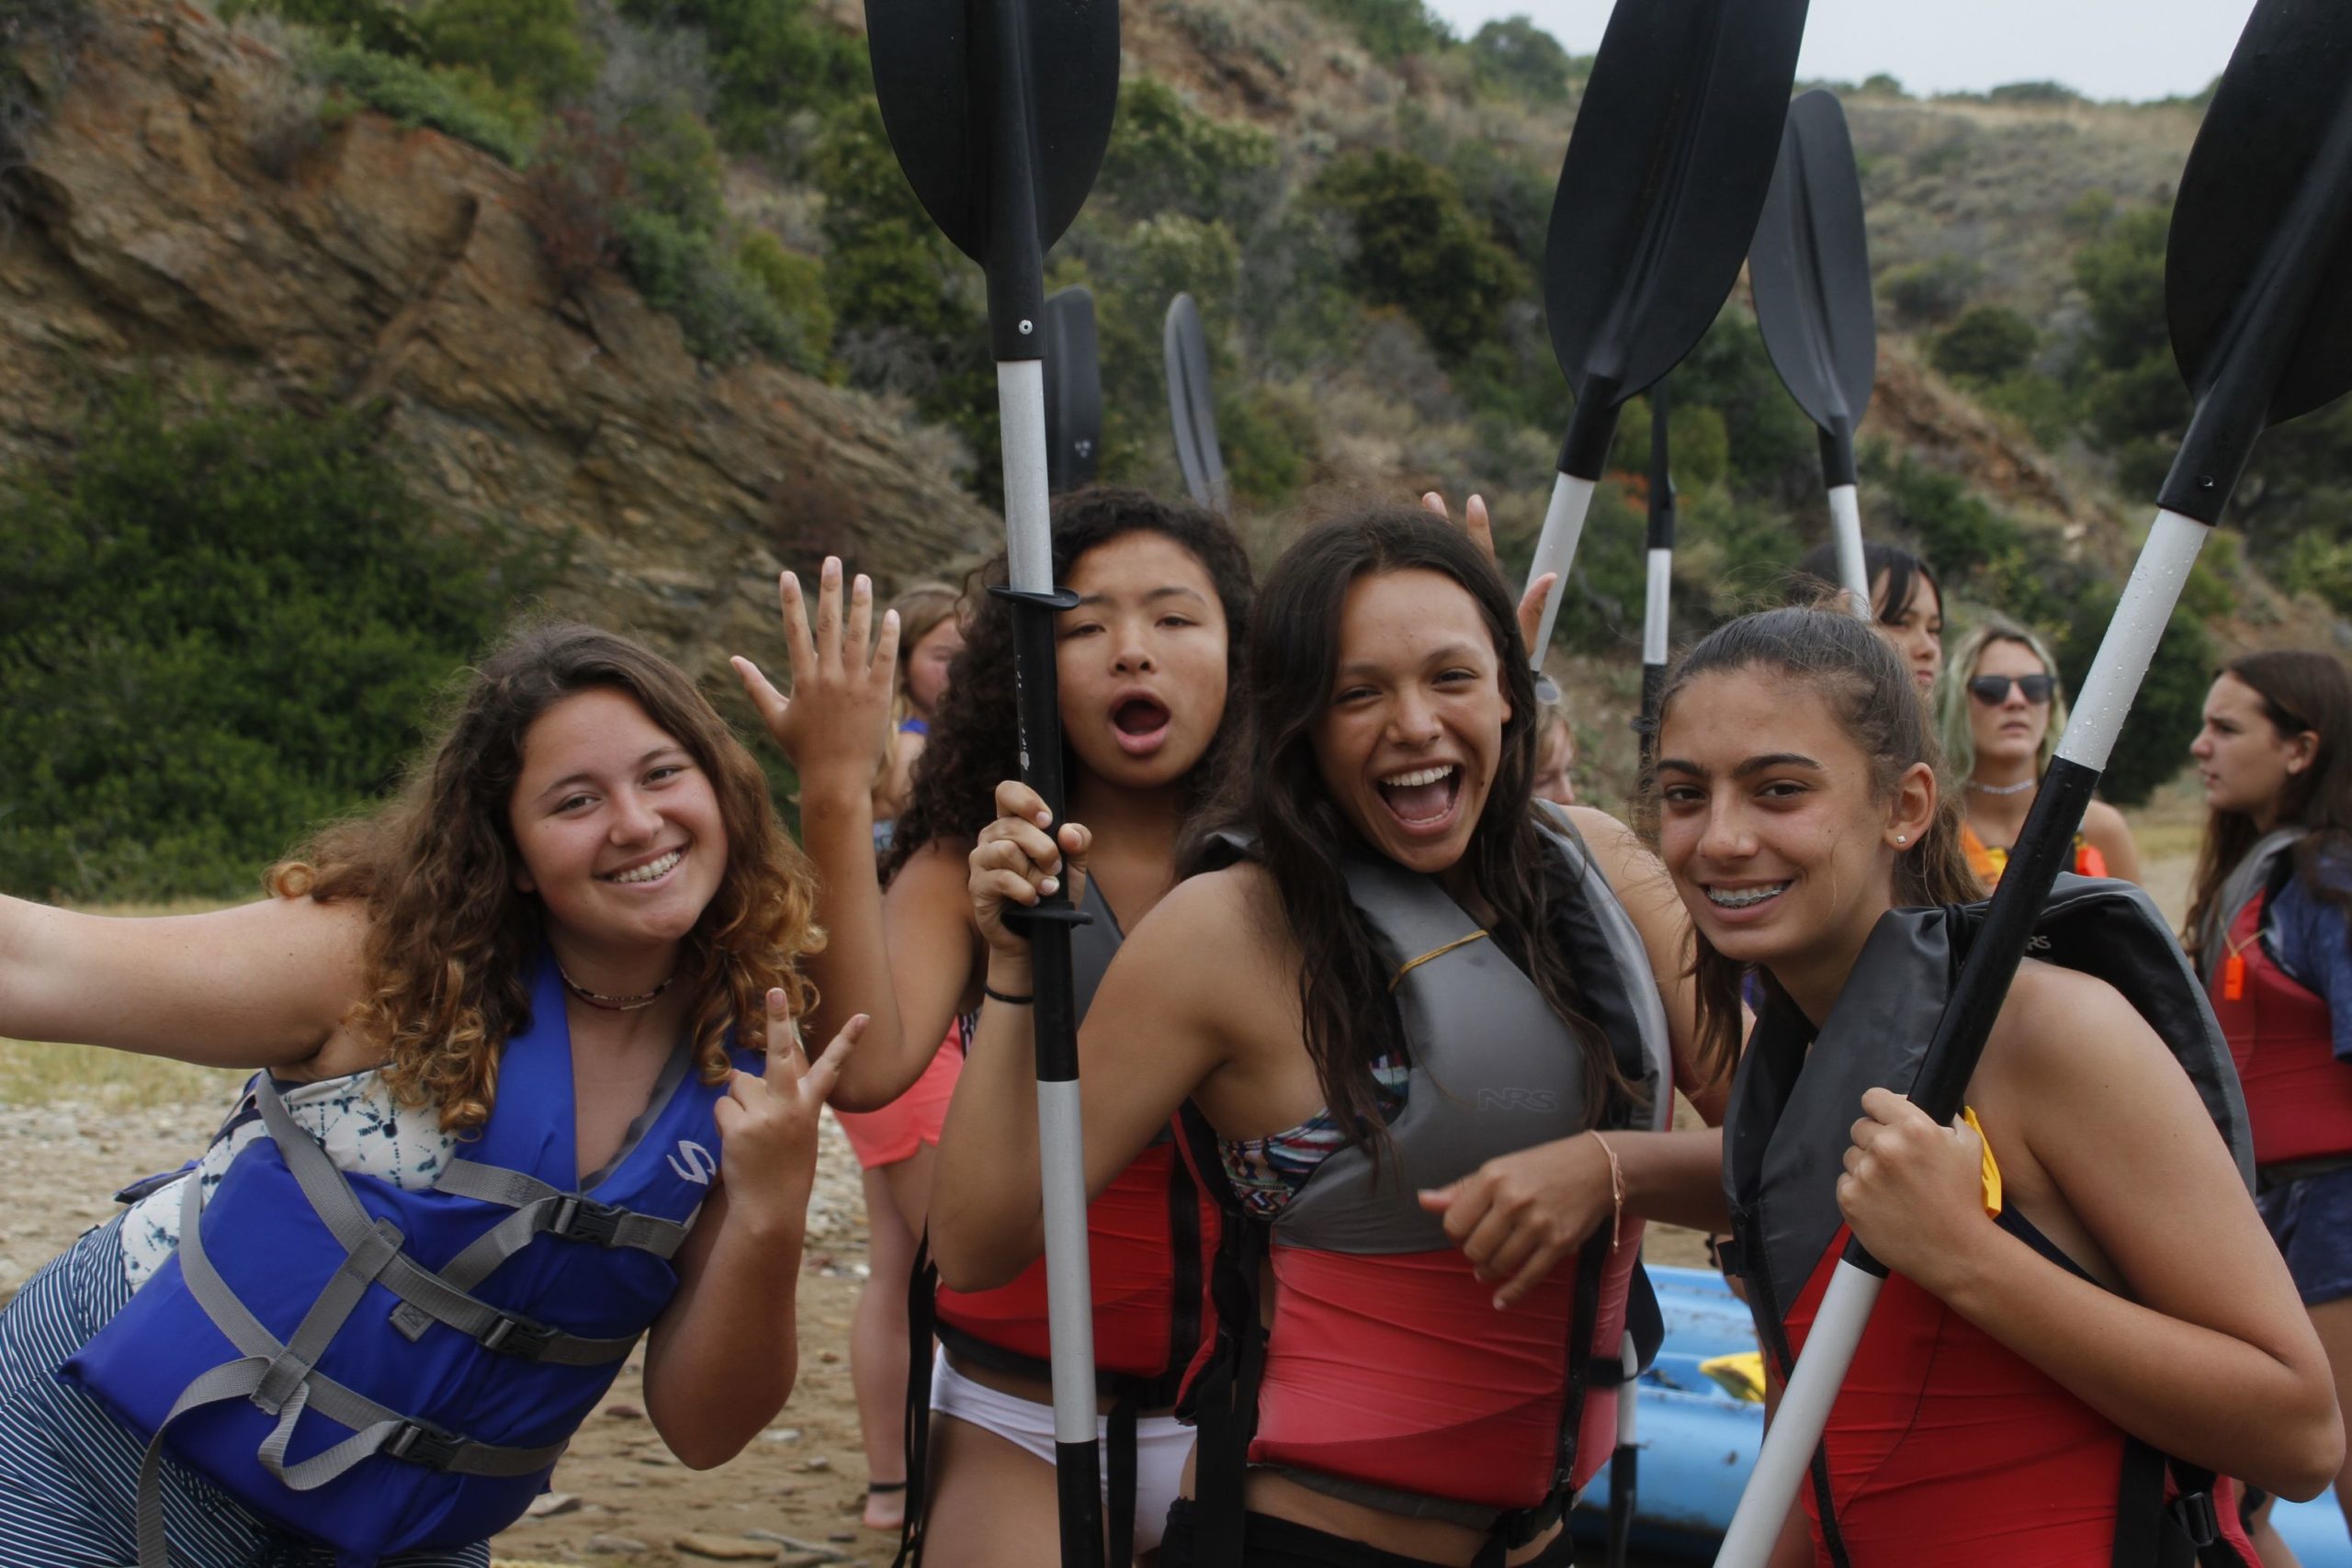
[1739, 1374]
[1992, 1167]
[1412, 964]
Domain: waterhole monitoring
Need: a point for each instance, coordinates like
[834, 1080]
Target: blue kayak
[1697, 1442]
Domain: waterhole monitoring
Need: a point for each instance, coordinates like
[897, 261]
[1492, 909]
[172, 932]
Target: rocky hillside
[183, 211]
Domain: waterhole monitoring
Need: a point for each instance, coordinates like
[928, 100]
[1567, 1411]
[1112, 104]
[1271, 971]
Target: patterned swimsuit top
[355, 1116]
[1267, 1173]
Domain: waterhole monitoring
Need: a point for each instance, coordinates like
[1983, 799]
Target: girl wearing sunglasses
[2002, 709]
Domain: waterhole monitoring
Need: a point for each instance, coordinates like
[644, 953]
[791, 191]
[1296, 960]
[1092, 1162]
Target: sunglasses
[1993, 690]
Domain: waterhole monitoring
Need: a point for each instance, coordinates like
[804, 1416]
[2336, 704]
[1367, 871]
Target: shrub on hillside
[796, 284]
[1518, 59]
[1391, 30]
[1988, 343]
[414, 93]
[726, 314]
[1419, 247]
[529, 47]
[223, 629]
[577, 184]
[1165, 158]
[1931, 293]
[770, 59]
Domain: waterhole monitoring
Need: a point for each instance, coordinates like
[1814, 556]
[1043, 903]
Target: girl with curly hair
[500, 1026]
[1145, 663]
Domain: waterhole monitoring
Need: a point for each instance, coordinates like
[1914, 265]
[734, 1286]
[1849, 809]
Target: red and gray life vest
[1151, 1236]
[383, 1370]
[1386, 1376]
[2281, 1033]
[1944, 1446]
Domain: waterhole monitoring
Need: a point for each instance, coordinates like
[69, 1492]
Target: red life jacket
[2297, 1094]
[1945, 1447]
[1386, 1376]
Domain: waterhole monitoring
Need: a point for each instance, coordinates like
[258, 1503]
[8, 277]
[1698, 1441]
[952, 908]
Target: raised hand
[768, 1126]
[835, 726]
[1015, 861]
[1481, 533]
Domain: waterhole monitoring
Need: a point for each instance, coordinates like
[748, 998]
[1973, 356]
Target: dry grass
[34, 1073]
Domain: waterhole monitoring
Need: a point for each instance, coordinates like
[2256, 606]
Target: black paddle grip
[1078, 1479]
[1837, 455]
[2045, 847]
[1036, 707]
[1016, 250]
[1592, 430]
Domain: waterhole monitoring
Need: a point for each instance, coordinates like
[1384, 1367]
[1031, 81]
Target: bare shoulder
[2103, 824]
[1220, 937]
[1632, 873]
[935, 879]
[2061, 1027]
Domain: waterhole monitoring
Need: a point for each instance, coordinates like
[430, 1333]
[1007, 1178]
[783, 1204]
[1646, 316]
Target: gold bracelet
[1616, 1193]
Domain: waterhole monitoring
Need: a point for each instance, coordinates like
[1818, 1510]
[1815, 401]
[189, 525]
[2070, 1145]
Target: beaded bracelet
[1616, 1191]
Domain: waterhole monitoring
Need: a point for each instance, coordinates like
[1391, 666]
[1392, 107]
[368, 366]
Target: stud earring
[1902, 838]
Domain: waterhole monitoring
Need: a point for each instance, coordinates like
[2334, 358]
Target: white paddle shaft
[1846, 527]
[1655, 606]
[1028, 503]
[1069, 1284]
[2124, 653]
[1555, 552]
[1803, 1414]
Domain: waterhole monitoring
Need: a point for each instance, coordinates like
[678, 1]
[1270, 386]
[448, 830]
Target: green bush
[771, 58]
[414, 93]
[795, 283]
[1988, 343]
[1391, 30]
[529, 47]
[1419, 247]
[223, 629]
[1268, 440]
[673, 165]
[725, 315]
[384, 26]
[1931, 292]
[1164, 158]
[1520, 60]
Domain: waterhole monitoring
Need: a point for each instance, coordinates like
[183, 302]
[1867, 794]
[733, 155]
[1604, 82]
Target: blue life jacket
[382, 1370]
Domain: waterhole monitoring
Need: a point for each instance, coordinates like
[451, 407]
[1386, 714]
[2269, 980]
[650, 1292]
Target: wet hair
[2302, 691]
[451, 940]
[920, 609]
[1302, 837]
[1864, 686]
[1954, 706]
[1818, 576]
[975, 739]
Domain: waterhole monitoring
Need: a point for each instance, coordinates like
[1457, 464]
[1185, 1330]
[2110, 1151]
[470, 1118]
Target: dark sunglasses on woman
[1993, 690]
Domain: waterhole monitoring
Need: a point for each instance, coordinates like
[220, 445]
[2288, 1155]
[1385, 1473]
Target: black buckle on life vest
[2195, 1514]
[584, 1219]
[520, 1338]
[422, 1442]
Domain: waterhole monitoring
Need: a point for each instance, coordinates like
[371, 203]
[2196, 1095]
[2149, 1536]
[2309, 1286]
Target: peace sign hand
[768, 1126]
[1481, 533]
[835, 726]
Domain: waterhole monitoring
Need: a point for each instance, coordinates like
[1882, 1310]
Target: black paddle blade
[1073, 392]
[1672, 155]
[2258, 270]
[999, 112]
[1192, 404]
[2266, 140]
[1811, 266]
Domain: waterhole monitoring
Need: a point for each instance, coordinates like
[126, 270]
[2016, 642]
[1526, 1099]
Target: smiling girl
[2079, 1289]
[2003, 710]
[1410, 1014]
[500, 1026]
[1144, 662]
[2268, 927]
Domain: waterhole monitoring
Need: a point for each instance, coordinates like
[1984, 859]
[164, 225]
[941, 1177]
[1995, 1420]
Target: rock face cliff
[182, 212]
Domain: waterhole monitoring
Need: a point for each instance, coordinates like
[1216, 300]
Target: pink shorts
[894, 1132]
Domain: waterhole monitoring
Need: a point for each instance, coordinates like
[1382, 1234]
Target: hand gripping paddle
[2258, 290]
[999, 112]
[1073, 392]
[1667, 165]
[1811, 268]
[1191, 405]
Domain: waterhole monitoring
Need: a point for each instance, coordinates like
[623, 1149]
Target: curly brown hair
[974, 737]
[451, 940]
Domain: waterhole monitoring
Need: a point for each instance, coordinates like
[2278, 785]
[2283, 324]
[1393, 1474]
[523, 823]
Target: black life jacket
[1796, 1099]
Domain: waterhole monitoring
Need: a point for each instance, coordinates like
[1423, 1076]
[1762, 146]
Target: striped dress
[69, 1472]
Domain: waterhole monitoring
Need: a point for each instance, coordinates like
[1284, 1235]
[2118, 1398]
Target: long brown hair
[2302, 691]
[1302, 837]
[451, 940]
[1863, 685]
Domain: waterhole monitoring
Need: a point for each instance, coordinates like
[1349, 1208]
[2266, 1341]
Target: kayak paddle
[1657, 604]
[1073, 392]
[1191, 406]
[1811, 268]
[2258, 294]
[1658, 193]
[998, 113]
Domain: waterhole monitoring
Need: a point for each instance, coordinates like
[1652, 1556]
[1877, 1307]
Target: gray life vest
[2257, 874]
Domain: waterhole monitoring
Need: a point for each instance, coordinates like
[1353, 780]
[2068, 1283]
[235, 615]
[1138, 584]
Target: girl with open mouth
[1414, 1026]
[2084, 1321]
[1143, 663]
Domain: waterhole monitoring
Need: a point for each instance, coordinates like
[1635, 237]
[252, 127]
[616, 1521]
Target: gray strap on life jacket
[419, 1288]
[2246, 879]
[283, 1379]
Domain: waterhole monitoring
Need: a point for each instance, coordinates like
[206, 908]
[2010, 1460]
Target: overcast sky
[2105, 48]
